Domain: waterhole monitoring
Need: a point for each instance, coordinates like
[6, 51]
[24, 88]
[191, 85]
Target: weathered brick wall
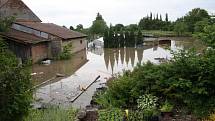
[77, 44]
[56, 45]
[18, 9]
[39, 52]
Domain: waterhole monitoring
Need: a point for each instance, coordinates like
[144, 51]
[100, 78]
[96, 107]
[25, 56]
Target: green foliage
[15, 85]
[148, 23]
[167, 107]
[66, 53]
[118, 27]
[200, 25]
[51, 114]
[188, 80]
[180, 28]
[148, 104]
[208, 35]
[5, 23]
[139, 40]
[99, 26]
[79, 27]
[113, 114]
[193, 16]
[71, 28]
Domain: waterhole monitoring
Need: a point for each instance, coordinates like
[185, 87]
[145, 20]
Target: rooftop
[23, 37]
[53, 29]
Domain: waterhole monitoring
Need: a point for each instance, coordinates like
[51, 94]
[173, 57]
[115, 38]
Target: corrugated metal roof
[23, 37]
[53, 29]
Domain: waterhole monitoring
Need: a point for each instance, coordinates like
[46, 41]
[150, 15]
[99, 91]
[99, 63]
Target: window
[81, 41]
[30, 31]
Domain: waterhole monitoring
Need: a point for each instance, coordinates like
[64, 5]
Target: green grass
[52, 114]
[159, 33]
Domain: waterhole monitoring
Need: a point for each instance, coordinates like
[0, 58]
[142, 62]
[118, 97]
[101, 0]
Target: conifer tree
[106, 39]
[139, 38]
[127, 39]
[132, 39]
[122, 39]
[167, 19]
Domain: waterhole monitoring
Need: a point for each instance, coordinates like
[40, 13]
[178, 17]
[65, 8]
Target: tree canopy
[99, 25]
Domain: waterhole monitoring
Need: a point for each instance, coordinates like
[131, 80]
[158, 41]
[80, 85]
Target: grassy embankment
[159, 33]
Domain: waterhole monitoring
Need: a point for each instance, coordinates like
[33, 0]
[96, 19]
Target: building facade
[29, 38]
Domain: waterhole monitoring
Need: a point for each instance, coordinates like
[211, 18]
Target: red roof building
[29, 38]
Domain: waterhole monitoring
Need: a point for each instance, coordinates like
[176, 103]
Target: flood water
[85, 66]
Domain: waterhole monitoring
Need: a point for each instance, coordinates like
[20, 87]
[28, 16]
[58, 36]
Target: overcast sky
[73, 12]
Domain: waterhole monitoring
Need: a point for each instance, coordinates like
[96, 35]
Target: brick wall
[39, 52]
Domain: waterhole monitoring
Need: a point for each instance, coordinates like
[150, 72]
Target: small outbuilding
[30, 39]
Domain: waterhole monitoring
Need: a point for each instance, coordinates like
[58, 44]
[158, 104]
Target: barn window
[81, 41]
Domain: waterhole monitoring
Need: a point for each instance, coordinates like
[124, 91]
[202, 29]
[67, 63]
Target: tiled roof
[2, 2]
[23, 37]
[53, 29]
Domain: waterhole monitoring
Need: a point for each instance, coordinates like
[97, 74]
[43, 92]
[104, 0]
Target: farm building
[29, 38]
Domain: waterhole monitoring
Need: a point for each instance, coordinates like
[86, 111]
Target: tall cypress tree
[151, 16]
[161, 17]
[139, 38]
[122, 39]
[127, 39]
[111, 38]
[116, 40]
[106, 39]
[167, 17]
[132, 39]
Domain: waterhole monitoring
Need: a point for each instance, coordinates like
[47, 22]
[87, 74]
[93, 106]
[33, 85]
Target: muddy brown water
[82, 69]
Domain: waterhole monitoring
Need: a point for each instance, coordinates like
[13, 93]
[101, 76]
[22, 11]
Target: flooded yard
[85, 66]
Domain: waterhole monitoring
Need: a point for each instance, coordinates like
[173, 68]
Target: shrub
[52, 114]
[15, 85]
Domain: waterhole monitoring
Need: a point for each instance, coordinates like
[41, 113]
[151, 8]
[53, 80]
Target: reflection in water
[103, 62]
[67, 68]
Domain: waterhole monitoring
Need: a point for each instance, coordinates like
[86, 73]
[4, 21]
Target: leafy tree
[118, 27]
[199, 26]
[194, 16]
[99, 25]
[79, 27]
[71, 28]
[132, 27]
[180, 28]
[208, 35]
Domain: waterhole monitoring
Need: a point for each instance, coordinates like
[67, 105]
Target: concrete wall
[39, 52]
[77, 44]
[18, 9]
